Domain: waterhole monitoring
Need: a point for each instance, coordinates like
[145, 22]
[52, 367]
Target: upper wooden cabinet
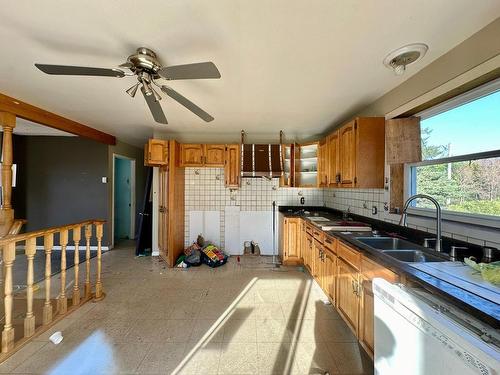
[361, 144]
[232, 166]
[156, 153]
[199, 155]
[323, 161]
[214, 155]
[332, 147]
[191, 155]
[403, 140]
[347, 145]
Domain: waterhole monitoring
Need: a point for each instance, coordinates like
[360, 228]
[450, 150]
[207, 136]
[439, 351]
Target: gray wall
[59, 180]
[62, 178]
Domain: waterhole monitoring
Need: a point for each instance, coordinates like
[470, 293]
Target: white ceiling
[25, 127]
[300, 66]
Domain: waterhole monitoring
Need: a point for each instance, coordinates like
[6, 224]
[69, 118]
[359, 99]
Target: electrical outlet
[104, 180]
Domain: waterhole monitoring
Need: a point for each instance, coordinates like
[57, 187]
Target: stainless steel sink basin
[387, 243]
[402, 250]
[413, 256]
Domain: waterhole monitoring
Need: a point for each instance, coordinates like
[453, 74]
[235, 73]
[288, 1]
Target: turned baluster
[88, 235]
[62, 301]
[9, 255]
[77, 235]
[48, 243]
[99, 295]
[29, 320]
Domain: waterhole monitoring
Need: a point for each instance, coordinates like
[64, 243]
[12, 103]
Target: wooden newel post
[99, 295]
[48, 243]
[29, 320]
[88, 235]
[8, 123]
[77, 235]
[9, 255]
[62, 301]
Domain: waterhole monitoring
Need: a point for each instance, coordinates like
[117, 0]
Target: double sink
[397, 248]
[402, 250]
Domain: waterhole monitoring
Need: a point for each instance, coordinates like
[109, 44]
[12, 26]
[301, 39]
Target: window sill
[488, 221]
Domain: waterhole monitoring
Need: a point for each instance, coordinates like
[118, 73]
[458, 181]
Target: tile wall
[205, 191]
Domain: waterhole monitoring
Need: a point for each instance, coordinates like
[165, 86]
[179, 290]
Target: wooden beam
[41, 116]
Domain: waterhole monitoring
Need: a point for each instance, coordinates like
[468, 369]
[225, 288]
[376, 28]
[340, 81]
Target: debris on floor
[202, 252]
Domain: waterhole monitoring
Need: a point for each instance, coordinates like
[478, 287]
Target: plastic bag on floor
[193, 259]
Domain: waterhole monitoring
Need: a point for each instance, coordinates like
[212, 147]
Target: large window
[461, 154]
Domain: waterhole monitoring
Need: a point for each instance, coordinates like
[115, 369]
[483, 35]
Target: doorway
[123, 198]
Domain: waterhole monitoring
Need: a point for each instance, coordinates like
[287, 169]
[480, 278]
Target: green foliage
[478, 207]
[470, 186]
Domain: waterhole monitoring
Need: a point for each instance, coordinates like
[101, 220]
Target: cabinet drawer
[370, 270]
[351, 256]
[329, 243]
[318, 235]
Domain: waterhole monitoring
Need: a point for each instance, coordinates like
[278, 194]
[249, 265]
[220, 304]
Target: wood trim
[38, 233]
[41, 116]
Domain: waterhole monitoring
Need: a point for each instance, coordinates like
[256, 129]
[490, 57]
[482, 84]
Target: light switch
[104, 180]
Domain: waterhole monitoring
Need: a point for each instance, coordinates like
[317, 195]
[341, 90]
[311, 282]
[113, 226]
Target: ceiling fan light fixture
[148, 90]
[131, 91]
[399, 59]
[156, 95]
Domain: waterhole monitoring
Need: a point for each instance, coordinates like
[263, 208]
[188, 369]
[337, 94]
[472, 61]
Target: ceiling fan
[145, 65]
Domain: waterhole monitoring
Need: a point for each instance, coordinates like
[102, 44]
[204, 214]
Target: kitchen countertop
[459, 294]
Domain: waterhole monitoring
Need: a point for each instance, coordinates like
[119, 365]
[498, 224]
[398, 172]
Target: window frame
[490, 221]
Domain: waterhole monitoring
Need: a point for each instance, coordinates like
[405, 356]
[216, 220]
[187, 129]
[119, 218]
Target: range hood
[261, 160]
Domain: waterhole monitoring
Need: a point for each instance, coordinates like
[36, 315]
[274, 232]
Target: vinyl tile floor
[241, 318]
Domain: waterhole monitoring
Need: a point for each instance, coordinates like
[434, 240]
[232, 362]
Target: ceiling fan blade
[190, 71]
[155, 108]
[68, 70]
[187, 103]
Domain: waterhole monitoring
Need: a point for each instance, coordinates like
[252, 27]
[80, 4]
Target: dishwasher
[418, 334]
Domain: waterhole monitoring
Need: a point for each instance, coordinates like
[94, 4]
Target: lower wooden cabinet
[344, 274]
[370, 270]
[348, 293]
[291, 240]
[330, 275]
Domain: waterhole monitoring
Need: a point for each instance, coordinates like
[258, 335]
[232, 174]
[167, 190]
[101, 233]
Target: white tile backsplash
[205, 191]
[355, 199]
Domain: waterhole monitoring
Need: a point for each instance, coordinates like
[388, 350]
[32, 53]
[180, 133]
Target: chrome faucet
[404, 215]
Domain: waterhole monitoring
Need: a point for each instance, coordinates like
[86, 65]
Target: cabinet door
[308, 252]
[330, 274]
[191, 155]
[232, 166]
[366, 318]
[292, 240]
[214, 155]
[347, 294]
[347, 151]
[333, 172]
[323, 164]
[156, 152]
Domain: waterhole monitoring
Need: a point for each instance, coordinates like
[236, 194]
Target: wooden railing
[12, 340]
